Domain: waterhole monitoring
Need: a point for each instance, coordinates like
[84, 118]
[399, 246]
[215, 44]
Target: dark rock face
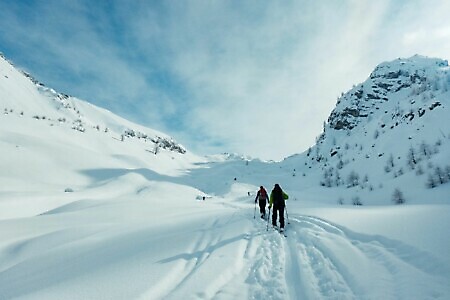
[411, 76]
[344, 119]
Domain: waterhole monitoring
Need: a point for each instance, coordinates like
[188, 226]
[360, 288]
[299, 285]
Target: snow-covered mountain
[24, 95]
[388, 135]
[53, 127]
[93, 206]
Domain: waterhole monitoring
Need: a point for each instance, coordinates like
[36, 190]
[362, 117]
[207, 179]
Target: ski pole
[287, 215]
[254, 211]
[267, 229]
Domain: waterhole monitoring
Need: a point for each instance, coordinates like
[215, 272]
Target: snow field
[156, 240]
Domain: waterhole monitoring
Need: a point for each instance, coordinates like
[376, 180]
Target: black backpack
[278, 199]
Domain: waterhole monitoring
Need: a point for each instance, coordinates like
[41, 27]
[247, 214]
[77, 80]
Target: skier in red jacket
[262, 195]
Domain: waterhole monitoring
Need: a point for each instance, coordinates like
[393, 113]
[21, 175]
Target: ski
[282, 232]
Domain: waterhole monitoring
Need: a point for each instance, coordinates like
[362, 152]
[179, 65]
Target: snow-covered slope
[390, 133]
[22, 95]
[89, 211]
[52, 142]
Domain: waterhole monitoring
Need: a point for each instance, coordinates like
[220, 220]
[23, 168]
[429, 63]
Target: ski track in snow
[316, 260]
[188, 279]
[304, 265]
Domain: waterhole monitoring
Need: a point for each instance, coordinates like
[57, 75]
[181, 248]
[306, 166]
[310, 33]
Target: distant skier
[262, 195]
[277, 199]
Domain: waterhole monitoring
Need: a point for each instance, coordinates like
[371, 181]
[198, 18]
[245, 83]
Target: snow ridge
[27, 96]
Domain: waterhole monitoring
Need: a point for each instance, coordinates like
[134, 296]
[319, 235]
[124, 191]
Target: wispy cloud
[255, 77]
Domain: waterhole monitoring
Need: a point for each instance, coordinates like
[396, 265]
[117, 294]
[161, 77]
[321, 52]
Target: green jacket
[285, 197]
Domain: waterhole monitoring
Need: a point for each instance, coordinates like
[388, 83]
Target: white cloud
[258, 86]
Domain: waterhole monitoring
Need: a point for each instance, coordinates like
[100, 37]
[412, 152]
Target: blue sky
[252, 77]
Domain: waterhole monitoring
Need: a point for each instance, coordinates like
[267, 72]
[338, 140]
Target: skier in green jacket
[277, 199]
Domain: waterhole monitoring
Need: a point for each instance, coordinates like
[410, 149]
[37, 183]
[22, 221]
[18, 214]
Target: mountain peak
[390, 82]
[390, 131]
[408, 66]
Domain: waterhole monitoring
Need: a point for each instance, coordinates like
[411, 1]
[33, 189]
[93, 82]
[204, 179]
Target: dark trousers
[278, 210]
[262, 207]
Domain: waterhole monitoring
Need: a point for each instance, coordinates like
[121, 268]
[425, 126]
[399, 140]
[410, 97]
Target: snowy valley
[93, 206]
